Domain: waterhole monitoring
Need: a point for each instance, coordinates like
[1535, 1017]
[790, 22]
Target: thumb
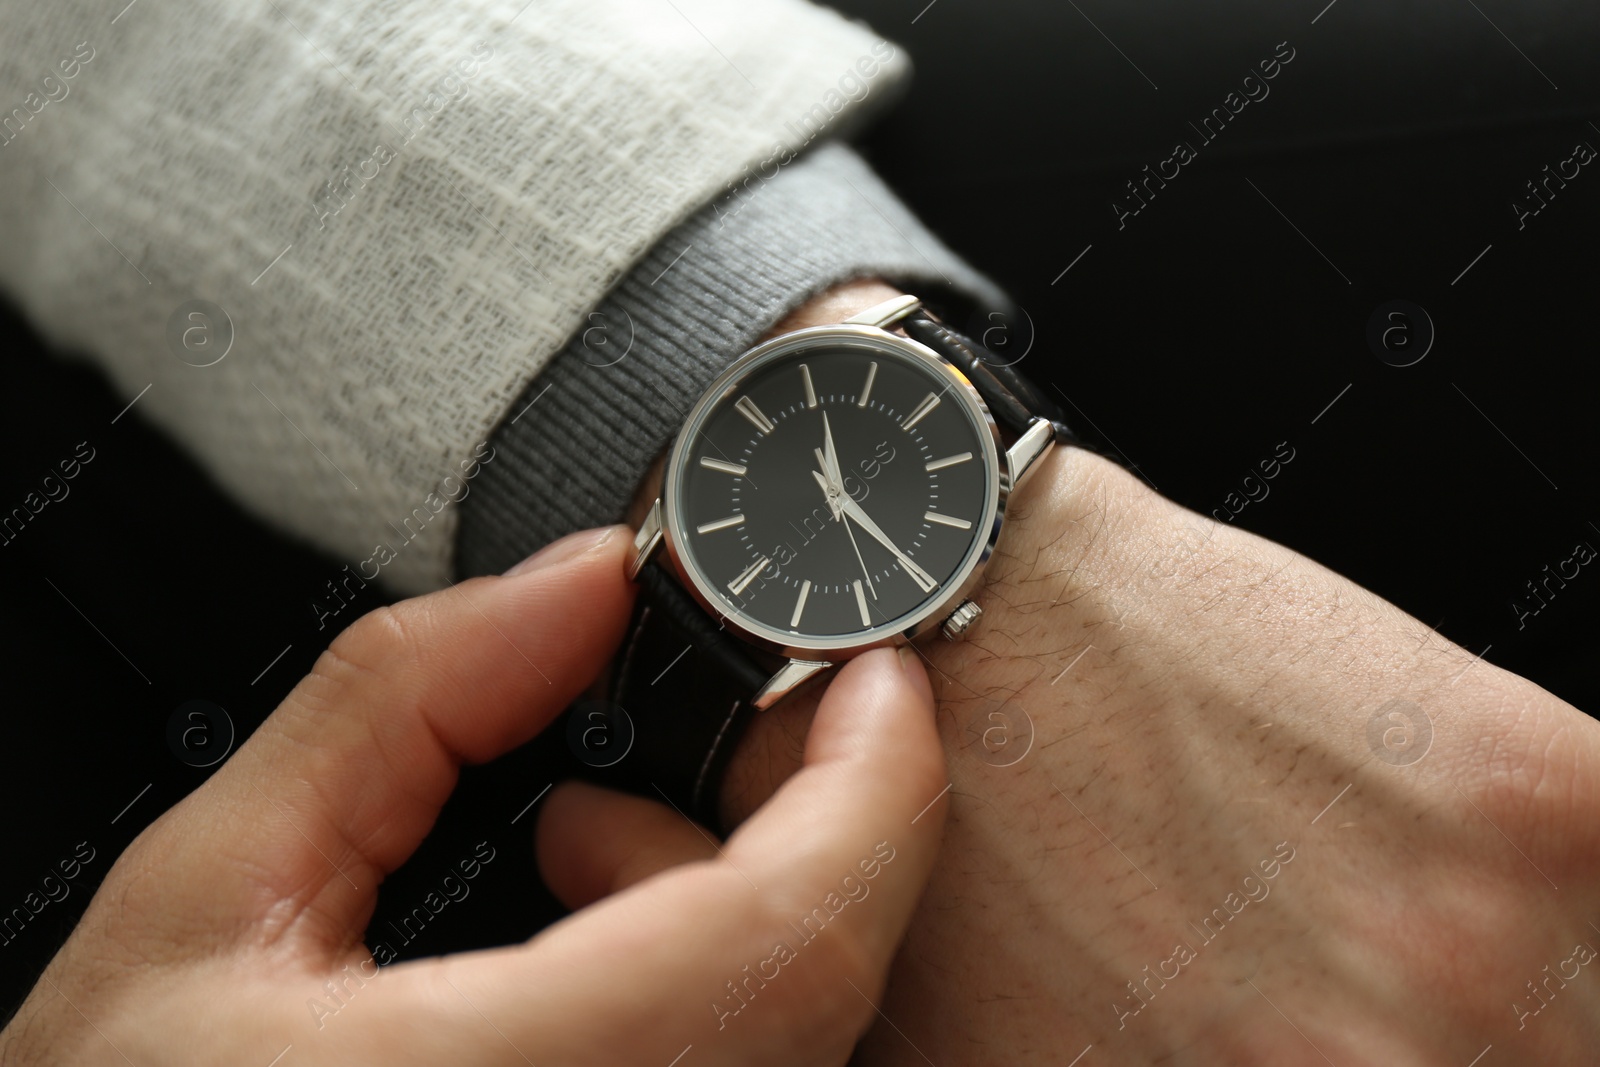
[830, 869]
[593, 842]
[341, 783]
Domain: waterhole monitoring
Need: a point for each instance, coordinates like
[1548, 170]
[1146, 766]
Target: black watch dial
[835, 490]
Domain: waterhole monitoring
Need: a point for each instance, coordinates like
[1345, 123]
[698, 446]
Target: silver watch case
[1006, 469]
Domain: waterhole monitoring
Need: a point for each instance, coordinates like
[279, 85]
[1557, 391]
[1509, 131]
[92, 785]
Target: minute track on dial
[912, 438]
[848, 436]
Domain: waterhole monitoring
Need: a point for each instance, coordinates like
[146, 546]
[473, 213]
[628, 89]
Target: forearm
[572, 450]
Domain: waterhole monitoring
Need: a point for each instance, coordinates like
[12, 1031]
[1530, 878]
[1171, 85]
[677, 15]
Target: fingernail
[916, 674]
[567, 548]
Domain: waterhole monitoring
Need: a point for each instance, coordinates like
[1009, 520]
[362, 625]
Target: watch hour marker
[725, 467]
[946, 520]
[741, 583]
[948, 461]
[811, 390]
[800, 605]
[861, 598]
[929, 402]
[748, 409]
[719, 524]
[866, 390]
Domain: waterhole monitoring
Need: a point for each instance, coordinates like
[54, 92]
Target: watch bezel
[932, 612]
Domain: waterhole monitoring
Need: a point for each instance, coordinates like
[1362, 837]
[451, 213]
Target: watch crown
[955, 627]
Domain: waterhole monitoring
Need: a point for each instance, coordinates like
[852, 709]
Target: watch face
[834, 486]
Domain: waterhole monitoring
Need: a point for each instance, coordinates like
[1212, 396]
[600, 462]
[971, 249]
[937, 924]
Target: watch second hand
[840, 500]
[834, 487]
[838, 514]
[853, 510]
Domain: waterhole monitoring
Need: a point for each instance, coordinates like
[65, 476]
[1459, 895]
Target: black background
[1189, 343]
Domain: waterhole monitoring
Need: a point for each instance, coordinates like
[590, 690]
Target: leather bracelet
[685, 684]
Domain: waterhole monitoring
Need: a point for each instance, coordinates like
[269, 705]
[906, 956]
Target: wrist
[1069, 517]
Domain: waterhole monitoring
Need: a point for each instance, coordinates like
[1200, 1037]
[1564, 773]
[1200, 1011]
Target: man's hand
[1214, 804]
[244, 905]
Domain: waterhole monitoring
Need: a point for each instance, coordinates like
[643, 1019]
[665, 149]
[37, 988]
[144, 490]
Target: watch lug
[1024, 455]
[646, 541]
[886, 313]
[789, 678]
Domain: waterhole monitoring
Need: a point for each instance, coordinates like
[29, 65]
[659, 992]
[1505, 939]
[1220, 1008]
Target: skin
[216, 931]
[1158, 723]
[1199, 701]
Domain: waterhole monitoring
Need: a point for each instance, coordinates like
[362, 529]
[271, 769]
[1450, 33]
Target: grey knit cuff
[573, 449]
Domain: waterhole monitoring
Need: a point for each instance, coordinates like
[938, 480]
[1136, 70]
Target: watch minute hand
[831, 455]
[854, 511]
[838, 514]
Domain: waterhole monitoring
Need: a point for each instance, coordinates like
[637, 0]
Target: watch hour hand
[827, 491]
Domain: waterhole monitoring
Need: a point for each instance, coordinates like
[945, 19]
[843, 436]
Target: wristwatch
[838, 488]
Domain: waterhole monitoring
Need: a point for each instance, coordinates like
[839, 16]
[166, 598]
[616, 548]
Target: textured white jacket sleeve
[402, 207]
